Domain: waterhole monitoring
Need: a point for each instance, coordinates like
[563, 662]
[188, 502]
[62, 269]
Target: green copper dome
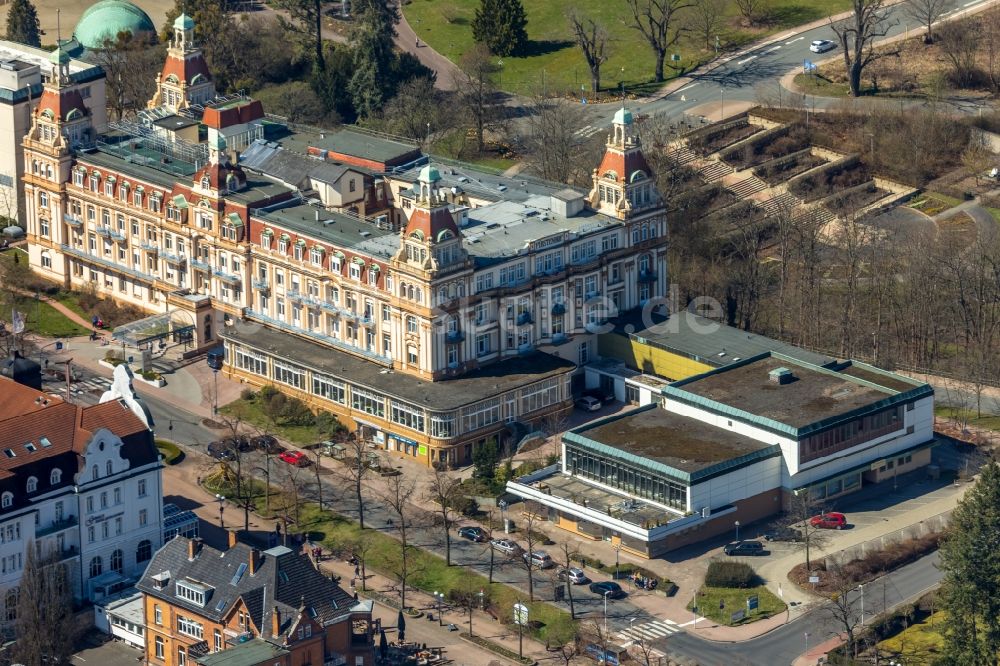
[107, 18]
[623, 117]
[429, 174]
[184, 22]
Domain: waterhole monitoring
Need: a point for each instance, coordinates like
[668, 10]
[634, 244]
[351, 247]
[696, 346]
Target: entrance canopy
[175, 324]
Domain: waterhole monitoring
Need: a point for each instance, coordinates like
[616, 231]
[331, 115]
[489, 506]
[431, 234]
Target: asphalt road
[783, 645]
[760, 71]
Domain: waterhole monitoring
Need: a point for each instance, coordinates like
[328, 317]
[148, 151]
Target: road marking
[746, 60]
[969, 4]
[689, 86]
[797, 39]
[773, 48]
[791, 34]
[651, 630]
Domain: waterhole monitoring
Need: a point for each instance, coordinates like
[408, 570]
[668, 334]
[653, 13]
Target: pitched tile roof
[283, 579]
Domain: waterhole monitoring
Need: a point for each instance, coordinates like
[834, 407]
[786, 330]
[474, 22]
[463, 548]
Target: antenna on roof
[58, 28]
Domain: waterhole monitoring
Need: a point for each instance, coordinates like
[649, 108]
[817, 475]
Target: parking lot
[106, 653]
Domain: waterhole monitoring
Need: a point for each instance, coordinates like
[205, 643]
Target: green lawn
[172, 453]
[45, 320]
[988, 421]
[428, 571]
[71, 301]
[249, 411]
[736, 599]
[554, 63]
[920, 643]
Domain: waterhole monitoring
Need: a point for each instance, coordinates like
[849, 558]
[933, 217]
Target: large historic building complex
[431, 305]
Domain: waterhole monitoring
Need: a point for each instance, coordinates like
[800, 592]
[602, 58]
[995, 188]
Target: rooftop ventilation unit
[781, 376]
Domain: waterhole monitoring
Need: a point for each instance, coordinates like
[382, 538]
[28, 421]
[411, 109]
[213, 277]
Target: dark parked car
[612, 590]
[268, 444]
[221, 450]
[477, 534]
[745, 548]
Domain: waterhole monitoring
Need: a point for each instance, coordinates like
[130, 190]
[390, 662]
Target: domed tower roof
[107, 18]
[183, 22]
[429, 174]
[622, 117]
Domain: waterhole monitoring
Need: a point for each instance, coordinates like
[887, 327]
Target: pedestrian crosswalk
[86, 386]
[648, 631]
[588, 131]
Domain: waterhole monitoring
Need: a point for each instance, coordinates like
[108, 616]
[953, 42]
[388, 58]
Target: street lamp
[221, 499]
[439, 598]
[862, 588]
[737, 523]
[215, 398]
[606, 593]
[618, 550]
[503, 515]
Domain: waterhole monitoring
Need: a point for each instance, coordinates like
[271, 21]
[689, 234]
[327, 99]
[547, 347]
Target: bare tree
[445, 491]
[592, 38]
[959, 42]
[927, 12]
[361, 546]
[568, 550]
[977, 157]
[752, 11]
[550, 144]
[857, 35]
[801, 508]
[530, 515]
[844, 603]
[131, 65]
[706, 20]
[397, 495]
[43, 625]
[478, 90]
[356, 469]
[660, 24]
[489, 545]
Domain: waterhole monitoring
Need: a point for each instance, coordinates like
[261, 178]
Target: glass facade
[632, 479]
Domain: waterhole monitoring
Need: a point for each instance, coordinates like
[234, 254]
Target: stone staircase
[683, 155]
[714, 170]
[780, 202]
[748, 187]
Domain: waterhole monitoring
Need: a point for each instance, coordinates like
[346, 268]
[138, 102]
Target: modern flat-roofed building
[731, 444]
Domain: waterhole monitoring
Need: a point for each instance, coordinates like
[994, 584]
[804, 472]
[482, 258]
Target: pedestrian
[357, 571]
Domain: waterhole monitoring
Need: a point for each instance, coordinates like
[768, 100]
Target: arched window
[205, 182]
[93, 473]
[48, 171]
[6, 500]
[96, 566]
[32, 484]
[144, 551]
[118, 561]
[10, 604]
[110, 468]
[55, 477]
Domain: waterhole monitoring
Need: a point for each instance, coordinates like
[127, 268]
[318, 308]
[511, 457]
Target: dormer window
[55, 477]
[6, 500]
[32, 485]
[205, 182]
[193, 592]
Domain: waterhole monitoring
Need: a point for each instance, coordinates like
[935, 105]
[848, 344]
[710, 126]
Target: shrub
[722, 573]
[151, 375]
[247, 395]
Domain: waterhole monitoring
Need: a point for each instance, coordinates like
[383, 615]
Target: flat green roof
[816, 399]
[676, 446]
[350, 142]
[250, 653]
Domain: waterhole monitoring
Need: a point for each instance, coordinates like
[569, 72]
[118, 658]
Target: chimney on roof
[231, 535]
[254, 560]
[194, 547]
[275, 622]
[781, 376]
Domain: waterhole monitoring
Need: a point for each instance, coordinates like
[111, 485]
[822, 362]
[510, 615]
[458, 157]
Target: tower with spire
[431, 239]
[623, 185]
[185, 79]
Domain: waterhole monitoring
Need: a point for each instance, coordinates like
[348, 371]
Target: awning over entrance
[176, 324]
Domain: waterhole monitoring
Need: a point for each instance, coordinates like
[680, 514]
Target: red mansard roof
[185, 68]
[233, 115]
[61, 102]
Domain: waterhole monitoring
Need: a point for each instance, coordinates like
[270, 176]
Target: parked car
[745, 548]
[477, 534]
[822, 45]
[613, 590]
[296, 458]
[783, 534]
[538, 559]
[220, 450]
[588, 403]
[573, 575]
[600, 394]
[266, 443]
[829, 521]
[506, 546]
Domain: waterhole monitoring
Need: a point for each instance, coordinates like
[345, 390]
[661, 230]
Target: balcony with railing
[177, 259]
[524, 318]
[104, 232]
[149, 247]
[118, 236]
[261, 285]
[225, 276]
[72, 220]
[56, 526]
[200, 265]
[455, 336]
[107, 263]
[647, 275]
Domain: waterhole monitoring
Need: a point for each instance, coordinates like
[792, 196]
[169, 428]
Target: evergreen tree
[22, 23]
[372, 82]
[502, 26]
[971, 585]
[485, 458]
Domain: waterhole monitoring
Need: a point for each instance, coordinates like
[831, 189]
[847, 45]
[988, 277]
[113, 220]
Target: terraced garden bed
[837, 178]
[710, 142]
[778, 171]
[766, 149]
[856, 199]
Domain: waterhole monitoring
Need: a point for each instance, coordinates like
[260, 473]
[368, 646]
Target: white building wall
[737, 485]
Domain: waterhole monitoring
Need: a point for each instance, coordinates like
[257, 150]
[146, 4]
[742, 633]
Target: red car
[829, 521]
[296, 458]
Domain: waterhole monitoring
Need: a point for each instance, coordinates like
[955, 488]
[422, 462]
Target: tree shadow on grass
[793, 15]
[543, 47]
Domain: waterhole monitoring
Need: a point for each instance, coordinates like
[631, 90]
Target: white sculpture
[122, 389]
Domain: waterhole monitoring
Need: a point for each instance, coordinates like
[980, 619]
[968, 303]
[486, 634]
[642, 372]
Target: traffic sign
[753, 603]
